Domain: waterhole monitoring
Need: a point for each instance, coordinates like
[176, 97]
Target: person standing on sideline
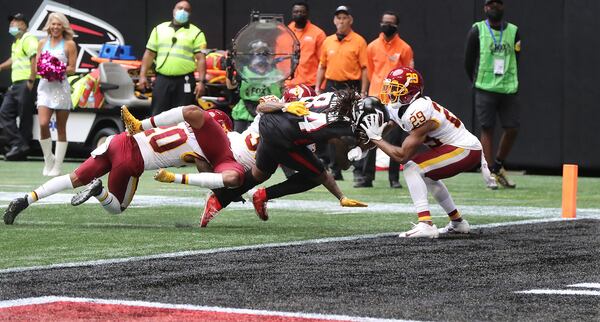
[18, 100]
[385, 53]
[343, 64]
[176, 49]
[53, 95]
[311, 39]
[491, 59]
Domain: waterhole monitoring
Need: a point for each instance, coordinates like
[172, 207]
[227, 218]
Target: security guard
[18, 100]
[176, 49]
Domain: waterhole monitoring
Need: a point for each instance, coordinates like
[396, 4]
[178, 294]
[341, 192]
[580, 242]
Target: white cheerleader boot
[61, 150]
[46, 145]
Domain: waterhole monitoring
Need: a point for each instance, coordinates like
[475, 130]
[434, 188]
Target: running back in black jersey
[323, 123]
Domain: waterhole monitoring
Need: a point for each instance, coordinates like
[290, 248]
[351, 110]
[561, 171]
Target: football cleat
[132, 124]
[492, 184]
[259, 201]
[14, 208]
[421, 230]
[164, 175]
[211, 209]
[454, 227]
[93, 189]
[503, 179]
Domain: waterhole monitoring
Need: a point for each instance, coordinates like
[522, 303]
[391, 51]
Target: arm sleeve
[199, 43]
[362, 54]
[472, 52]
[407, 57]
[319, 45]
[370, 65]
[30, 46]
[152, 43]
[323, 56]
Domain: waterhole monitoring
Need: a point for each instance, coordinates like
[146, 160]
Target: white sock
[166, 118]
[109, 202]
[439, 191]
[416, 186]
[204, 179]
[49, 188]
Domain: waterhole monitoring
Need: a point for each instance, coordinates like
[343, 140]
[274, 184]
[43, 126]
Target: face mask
[181, 16]
[14, 31]
[388, 30]
[495, 15]
[300, 21]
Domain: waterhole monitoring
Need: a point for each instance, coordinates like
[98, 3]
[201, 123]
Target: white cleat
[421, 230]
[456, 228]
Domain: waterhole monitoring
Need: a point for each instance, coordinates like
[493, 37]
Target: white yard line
[218, 309]
[243, 248]
[143, 201]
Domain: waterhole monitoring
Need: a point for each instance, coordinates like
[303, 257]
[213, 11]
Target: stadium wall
[558, 69]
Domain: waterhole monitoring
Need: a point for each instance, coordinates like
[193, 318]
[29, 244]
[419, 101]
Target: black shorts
[300, 158]
[488, 104]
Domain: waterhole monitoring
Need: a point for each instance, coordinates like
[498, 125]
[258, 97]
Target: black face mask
[300, 21]
[495, 15]
[389, 30]
[340, 37]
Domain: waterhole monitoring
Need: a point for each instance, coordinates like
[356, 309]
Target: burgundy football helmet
[402, 85]
[294, 93]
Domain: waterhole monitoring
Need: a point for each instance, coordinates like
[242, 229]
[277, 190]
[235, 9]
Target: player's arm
[409, 147]
[270, 106]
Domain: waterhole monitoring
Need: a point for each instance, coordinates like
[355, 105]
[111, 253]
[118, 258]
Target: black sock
[294, 184]
[498, 164]
[226, 196]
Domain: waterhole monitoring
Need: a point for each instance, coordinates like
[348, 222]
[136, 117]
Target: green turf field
[58, 233]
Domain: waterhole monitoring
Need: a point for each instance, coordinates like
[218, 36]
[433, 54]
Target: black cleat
[14, 208]
[92, 189]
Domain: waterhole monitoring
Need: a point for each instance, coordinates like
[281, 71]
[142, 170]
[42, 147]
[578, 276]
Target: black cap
[486, 2]
[344, 9]
[17, 16]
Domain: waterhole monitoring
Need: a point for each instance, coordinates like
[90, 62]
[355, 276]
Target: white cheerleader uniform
[54, 94]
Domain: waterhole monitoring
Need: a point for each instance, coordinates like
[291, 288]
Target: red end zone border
[55, 308]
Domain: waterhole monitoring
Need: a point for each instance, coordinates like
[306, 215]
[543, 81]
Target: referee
[176, 49]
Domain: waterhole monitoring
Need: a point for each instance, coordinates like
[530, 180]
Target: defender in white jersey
[453, 149]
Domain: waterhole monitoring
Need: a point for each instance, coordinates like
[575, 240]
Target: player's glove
[346, 202]
[372, 126]
[268, 98]
[356, 154]
[296, 108]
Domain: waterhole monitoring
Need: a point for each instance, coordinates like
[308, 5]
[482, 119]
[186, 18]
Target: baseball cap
[344, 9]
[486, 2]
[18, 16]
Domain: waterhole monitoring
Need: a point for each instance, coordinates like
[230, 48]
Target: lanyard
[499, 43]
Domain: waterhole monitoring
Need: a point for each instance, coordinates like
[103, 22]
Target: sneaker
[14, 208]
[93, 189]
[164, 175]
[421, 230]
[259, 200]
[492, 185]
[502, 179]
[211, 209]
[132, 124]
[395, 184]
[454, 227]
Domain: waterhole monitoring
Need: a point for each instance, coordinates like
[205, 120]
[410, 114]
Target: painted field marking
[222, 313]
[143, 201]
[568, 292]
[249, 247]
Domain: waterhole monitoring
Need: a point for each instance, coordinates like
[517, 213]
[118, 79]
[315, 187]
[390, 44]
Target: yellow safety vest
[21, 52]
[175, 50]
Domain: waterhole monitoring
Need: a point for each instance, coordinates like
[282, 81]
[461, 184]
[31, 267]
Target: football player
[284, 138]
[245, 145]
[453, 149]
[126, 157]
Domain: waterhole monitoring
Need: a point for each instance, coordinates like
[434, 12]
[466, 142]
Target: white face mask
[181, 16]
